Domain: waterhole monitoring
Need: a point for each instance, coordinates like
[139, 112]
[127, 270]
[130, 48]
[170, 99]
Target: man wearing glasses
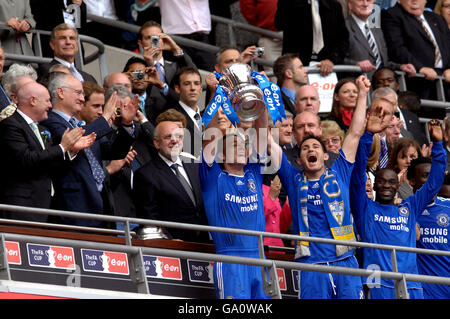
[80, 186]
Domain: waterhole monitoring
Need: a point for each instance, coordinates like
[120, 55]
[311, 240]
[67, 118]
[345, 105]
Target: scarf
[336, 210]
[347, 115]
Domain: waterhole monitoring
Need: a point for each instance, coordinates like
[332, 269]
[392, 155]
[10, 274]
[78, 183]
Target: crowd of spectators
[130, 144]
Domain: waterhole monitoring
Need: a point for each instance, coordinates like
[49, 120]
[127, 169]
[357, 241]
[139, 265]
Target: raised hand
[110, 107]
[435, 130]
[377, 119]
[70, 137]
[84, 142]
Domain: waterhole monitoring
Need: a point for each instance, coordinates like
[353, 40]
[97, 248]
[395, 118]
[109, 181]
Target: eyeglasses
[78, 92]
[331, 140]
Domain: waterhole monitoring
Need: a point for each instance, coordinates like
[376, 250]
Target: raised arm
[357, 125]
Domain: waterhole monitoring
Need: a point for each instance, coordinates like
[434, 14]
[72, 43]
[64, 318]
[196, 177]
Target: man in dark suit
[64, 43]
[188, 85]
[295, 19]
[4, 99]
[29, 157]
[420, 37]
[291, 75]
[367, 48]
[168, 187]
[167, 57]
[79, 188]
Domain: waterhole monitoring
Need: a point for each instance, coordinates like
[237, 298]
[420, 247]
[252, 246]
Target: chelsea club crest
[442, 220]
[252, 185]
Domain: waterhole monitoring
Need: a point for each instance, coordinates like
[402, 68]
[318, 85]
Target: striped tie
[437, 53]
[373, 45]
[384, 156]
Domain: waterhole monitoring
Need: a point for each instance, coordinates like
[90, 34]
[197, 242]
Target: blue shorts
[318, 285]
[238, 281]
[383, 292]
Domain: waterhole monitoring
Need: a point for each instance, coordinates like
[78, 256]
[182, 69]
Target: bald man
[117, 78]
[307, 99]
[31, 158]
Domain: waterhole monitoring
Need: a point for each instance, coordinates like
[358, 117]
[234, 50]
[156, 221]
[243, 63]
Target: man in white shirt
[190, 19]
[188, 84]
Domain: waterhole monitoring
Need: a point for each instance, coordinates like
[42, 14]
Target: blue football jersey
[233, 201]
[290, 177]
[434, 234]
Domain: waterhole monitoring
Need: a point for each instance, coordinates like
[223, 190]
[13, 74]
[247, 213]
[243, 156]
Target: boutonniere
[45, 136]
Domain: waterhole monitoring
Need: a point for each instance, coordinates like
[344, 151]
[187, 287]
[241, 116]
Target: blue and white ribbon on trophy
[272, 98]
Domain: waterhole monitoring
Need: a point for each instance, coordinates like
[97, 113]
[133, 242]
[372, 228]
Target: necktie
[160, 70]
[76, 73]
[383, 154]
[96, 168]
[198, 119]
[36, 132]
[183, 182]
[73, 121]
[317, 29]
[373, 45]
[437, 53]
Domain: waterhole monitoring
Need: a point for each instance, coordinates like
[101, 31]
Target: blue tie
[384, 156]
[160, 71]
[97, 169]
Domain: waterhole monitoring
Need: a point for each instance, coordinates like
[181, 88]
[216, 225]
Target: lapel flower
[45, 136]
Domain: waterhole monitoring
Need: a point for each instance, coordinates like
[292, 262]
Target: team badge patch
[403, 210]
[337, 211]
[252, 185]
[442, 220]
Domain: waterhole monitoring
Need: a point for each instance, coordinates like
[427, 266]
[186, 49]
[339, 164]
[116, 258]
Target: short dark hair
[133, 60]
[281, 64]
[409, 100]
[411, 173]
[146, 25]
[171, 115]
[90, 88]
[185, 70]
[311, 136]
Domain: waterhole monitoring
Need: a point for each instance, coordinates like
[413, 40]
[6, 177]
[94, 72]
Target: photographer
[154, 94]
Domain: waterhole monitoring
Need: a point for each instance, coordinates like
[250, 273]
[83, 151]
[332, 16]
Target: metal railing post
[400, 287]
[137, 272]
[271, 286]
[5, 274]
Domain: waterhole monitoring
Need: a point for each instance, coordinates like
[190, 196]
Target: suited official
[188, 85]
[159, 194]
[168, 59]
[360, 51]
[79, 188]
[291, 75]
[408, 42]
[29, 157]
[64, 43]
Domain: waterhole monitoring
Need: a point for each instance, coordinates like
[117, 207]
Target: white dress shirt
[185, 16]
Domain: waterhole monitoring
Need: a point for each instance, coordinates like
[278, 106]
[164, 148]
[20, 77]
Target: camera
[154, 39]
[259, 52]
[138, 75]
[117, 111]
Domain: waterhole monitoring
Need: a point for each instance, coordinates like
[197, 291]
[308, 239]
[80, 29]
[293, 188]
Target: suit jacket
[194, 144]
[294, 18]
[26, 177]
[288, 105]
[119, 185]
[414, 127]
[407, 41]
[159, 195]
[43, 70]
[360, 50]
[156, 102]
[76, 188]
